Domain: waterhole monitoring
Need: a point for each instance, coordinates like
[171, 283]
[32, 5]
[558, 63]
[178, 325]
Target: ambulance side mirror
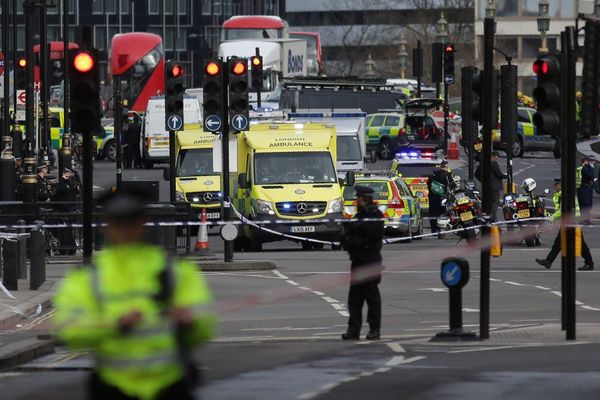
[243, 181]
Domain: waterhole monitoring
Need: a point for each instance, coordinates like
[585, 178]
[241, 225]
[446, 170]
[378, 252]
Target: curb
[14, 354]
[9, 318]
[587, 148]
[246, 265]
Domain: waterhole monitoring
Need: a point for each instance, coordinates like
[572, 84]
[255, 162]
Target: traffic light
[547, 94]
[449, 51]
[590, 80]
[238, 91]
[468, 95]
[85, 92]
[174, 89]
[213, 85]
[436, 62]
[476, 91]
[508, 94]
[21, 73]
[256, 67]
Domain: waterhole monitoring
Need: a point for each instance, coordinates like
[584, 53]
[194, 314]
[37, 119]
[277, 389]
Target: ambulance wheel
[385, 149]
[148, 164]
[110, 151]
[518, 148]
[419, 231]
[530, 241]
[537, 240]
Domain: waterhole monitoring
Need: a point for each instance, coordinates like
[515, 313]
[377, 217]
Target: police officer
[67, 192]
[442, 179]
[44, 191]
[585, 250]
[584, 180]
[139, 311]
[363, 240]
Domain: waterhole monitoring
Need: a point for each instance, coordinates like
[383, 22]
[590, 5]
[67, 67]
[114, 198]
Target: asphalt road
[287, 346]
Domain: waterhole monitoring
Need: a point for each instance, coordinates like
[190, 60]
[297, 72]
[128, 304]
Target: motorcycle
[463, 210]
[523, 208]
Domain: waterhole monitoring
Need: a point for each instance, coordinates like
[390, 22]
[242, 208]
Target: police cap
[364, 191]
[557, 180]
[124, 205]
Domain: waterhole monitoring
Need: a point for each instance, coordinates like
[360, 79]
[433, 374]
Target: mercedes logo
[299, 191]
[302, 208]
[208, 183]
[207, 197]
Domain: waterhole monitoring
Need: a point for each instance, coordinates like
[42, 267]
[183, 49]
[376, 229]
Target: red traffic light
[256, 61]
[449, 48]
[541, 67]
[213, 68]
[239, 67]
[177, 71]
[22, 62]
[83, 62]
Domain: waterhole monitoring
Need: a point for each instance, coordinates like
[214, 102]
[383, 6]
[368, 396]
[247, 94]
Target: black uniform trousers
[358, 294]
[555, 250]
[495, 195]
[100, 390]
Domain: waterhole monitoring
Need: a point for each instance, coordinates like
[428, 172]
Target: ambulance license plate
[302, 229]
[214, 215]
[466, 216]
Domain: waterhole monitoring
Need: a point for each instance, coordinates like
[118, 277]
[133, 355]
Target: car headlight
[335, 206]
[263, 207]
[179, 196]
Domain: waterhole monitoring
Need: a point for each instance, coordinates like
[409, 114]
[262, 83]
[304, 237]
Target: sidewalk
[590, 148]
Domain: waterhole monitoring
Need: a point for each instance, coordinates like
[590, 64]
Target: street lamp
[442, 28]
[403, 57]
[490, 10]
[370, 67]
[543, 22]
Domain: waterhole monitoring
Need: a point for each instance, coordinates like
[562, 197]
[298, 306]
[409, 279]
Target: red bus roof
[128, 48]
[56, 49]
[254, 22]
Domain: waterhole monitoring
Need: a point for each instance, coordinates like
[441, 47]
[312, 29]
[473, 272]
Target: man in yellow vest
[138, 311]
[555, 250]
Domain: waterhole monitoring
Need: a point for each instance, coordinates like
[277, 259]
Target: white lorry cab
[350, 135]
[155, 143]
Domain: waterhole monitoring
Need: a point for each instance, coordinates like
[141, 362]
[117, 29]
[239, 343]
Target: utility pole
[6, 92]
[29, 161]
[508, 126]
[65, 150]
[44, 58]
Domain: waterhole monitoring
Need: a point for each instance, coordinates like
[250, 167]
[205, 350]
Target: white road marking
[400, 360]
[495, 280]
[470, 310]
[304, 288]
[329, 299]
[344, 313]
[515, 283]
[279, 274]
[396, 347]
[293, 282]
[338, 306]
[520, 171]
[435, 290]
[542, 287]
[382, 370]
[556, 293]
[318, 293]
[590, 308]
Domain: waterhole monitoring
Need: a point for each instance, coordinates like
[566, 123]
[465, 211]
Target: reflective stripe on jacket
[144, 360]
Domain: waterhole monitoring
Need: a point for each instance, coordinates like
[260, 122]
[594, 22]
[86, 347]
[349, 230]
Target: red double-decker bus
[138, 59]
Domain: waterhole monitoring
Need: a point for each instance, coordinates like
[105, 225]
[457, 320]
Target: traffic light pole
[118, 110]
[508, 126]
[228, 250]
[65, 150]
[29, 188]
[469, 127]
[5, 50]
[44, 57]
[446, 117]
[172, 172]
[486, 115]
[258, 89]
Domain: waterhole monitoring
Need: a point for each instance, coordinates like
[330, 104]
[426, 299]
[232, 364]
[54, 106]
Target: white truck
[282, 58]
[155, 139]
[350, 135]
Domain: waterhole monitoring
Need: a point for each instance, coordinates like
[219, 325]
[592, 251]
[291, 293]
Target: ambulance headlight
[263, 207]
[335, 206]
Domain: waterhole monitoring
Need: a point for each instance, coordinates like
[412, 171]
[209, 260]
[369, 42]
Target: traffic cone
[202, 240]
[452, 148]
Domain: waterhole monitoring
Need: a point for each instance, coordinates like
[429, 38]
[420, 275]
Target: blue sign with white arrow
[451, 274]
[213, 123]
[239, 122]
[174, 123]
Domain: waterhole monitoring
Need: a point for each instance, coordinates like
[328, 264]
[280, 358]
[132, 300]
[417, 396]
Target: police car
[527, 138]
[415, 167]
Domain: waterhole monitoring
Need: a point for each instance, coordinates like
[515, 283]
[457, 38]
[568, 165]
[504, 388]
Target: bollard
[37, 257]
[22, 250]
[455, 275]
[10, 274]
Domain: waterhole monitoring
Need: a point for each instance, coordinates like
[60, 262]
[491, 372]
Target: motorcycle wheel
[530, 241]
[538, 240]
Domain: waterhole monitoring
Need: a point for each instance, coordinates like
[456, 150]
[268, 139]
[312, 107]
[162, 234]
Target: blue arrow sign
[175, 123]
[213, 123]
[239, 122]
[451, 274]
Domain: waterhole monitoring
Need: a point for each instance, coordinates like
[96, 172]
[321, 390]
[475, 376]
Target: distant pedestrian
[363, 241]
[438, 185]
[134, 132]
[556, 246]
[45, 190]
[584, 181]
[496, 184]
[139, 311]
[67, 192]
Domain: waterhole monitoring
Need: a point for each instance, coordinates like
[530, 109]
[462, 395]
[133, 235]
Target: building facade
[517, 32]
[190, 29]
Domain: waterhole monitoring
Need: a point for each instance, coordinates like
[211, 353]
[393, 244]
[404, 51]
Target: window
[506, 8]
[206, 7]
[182, 7]
[125, 6]
[523, 116]
[508, 45]
[153, 7]
[368, 121]
[98, 6]
[110, 6]
[217, 7]
[180, 39]
[531, 46]
[377, 120]
[21, 38]
[100, 37]
[392, 121]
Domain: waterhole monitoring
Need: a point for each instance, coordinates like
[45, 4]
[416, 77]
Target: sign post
[455, 275]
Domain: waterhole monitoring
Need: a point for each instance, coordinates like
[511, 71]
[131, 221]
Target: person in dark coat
[67, 191]
[496, 177]
[363, 241]
[585, 190]
[44, 187]
[134, 132]
[442, 176]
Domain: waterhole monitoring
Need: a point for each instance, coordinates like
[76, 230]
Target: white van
[155, 143]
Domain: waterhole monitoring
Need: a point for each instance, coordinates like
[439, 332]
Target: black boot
[350, 336]
[543, 262]
[373, 335]
[587, 267]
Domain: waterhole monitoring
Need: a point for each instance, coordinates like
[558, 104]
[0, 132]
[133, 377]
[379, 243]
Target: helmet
[529, 185]
[456, 179]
